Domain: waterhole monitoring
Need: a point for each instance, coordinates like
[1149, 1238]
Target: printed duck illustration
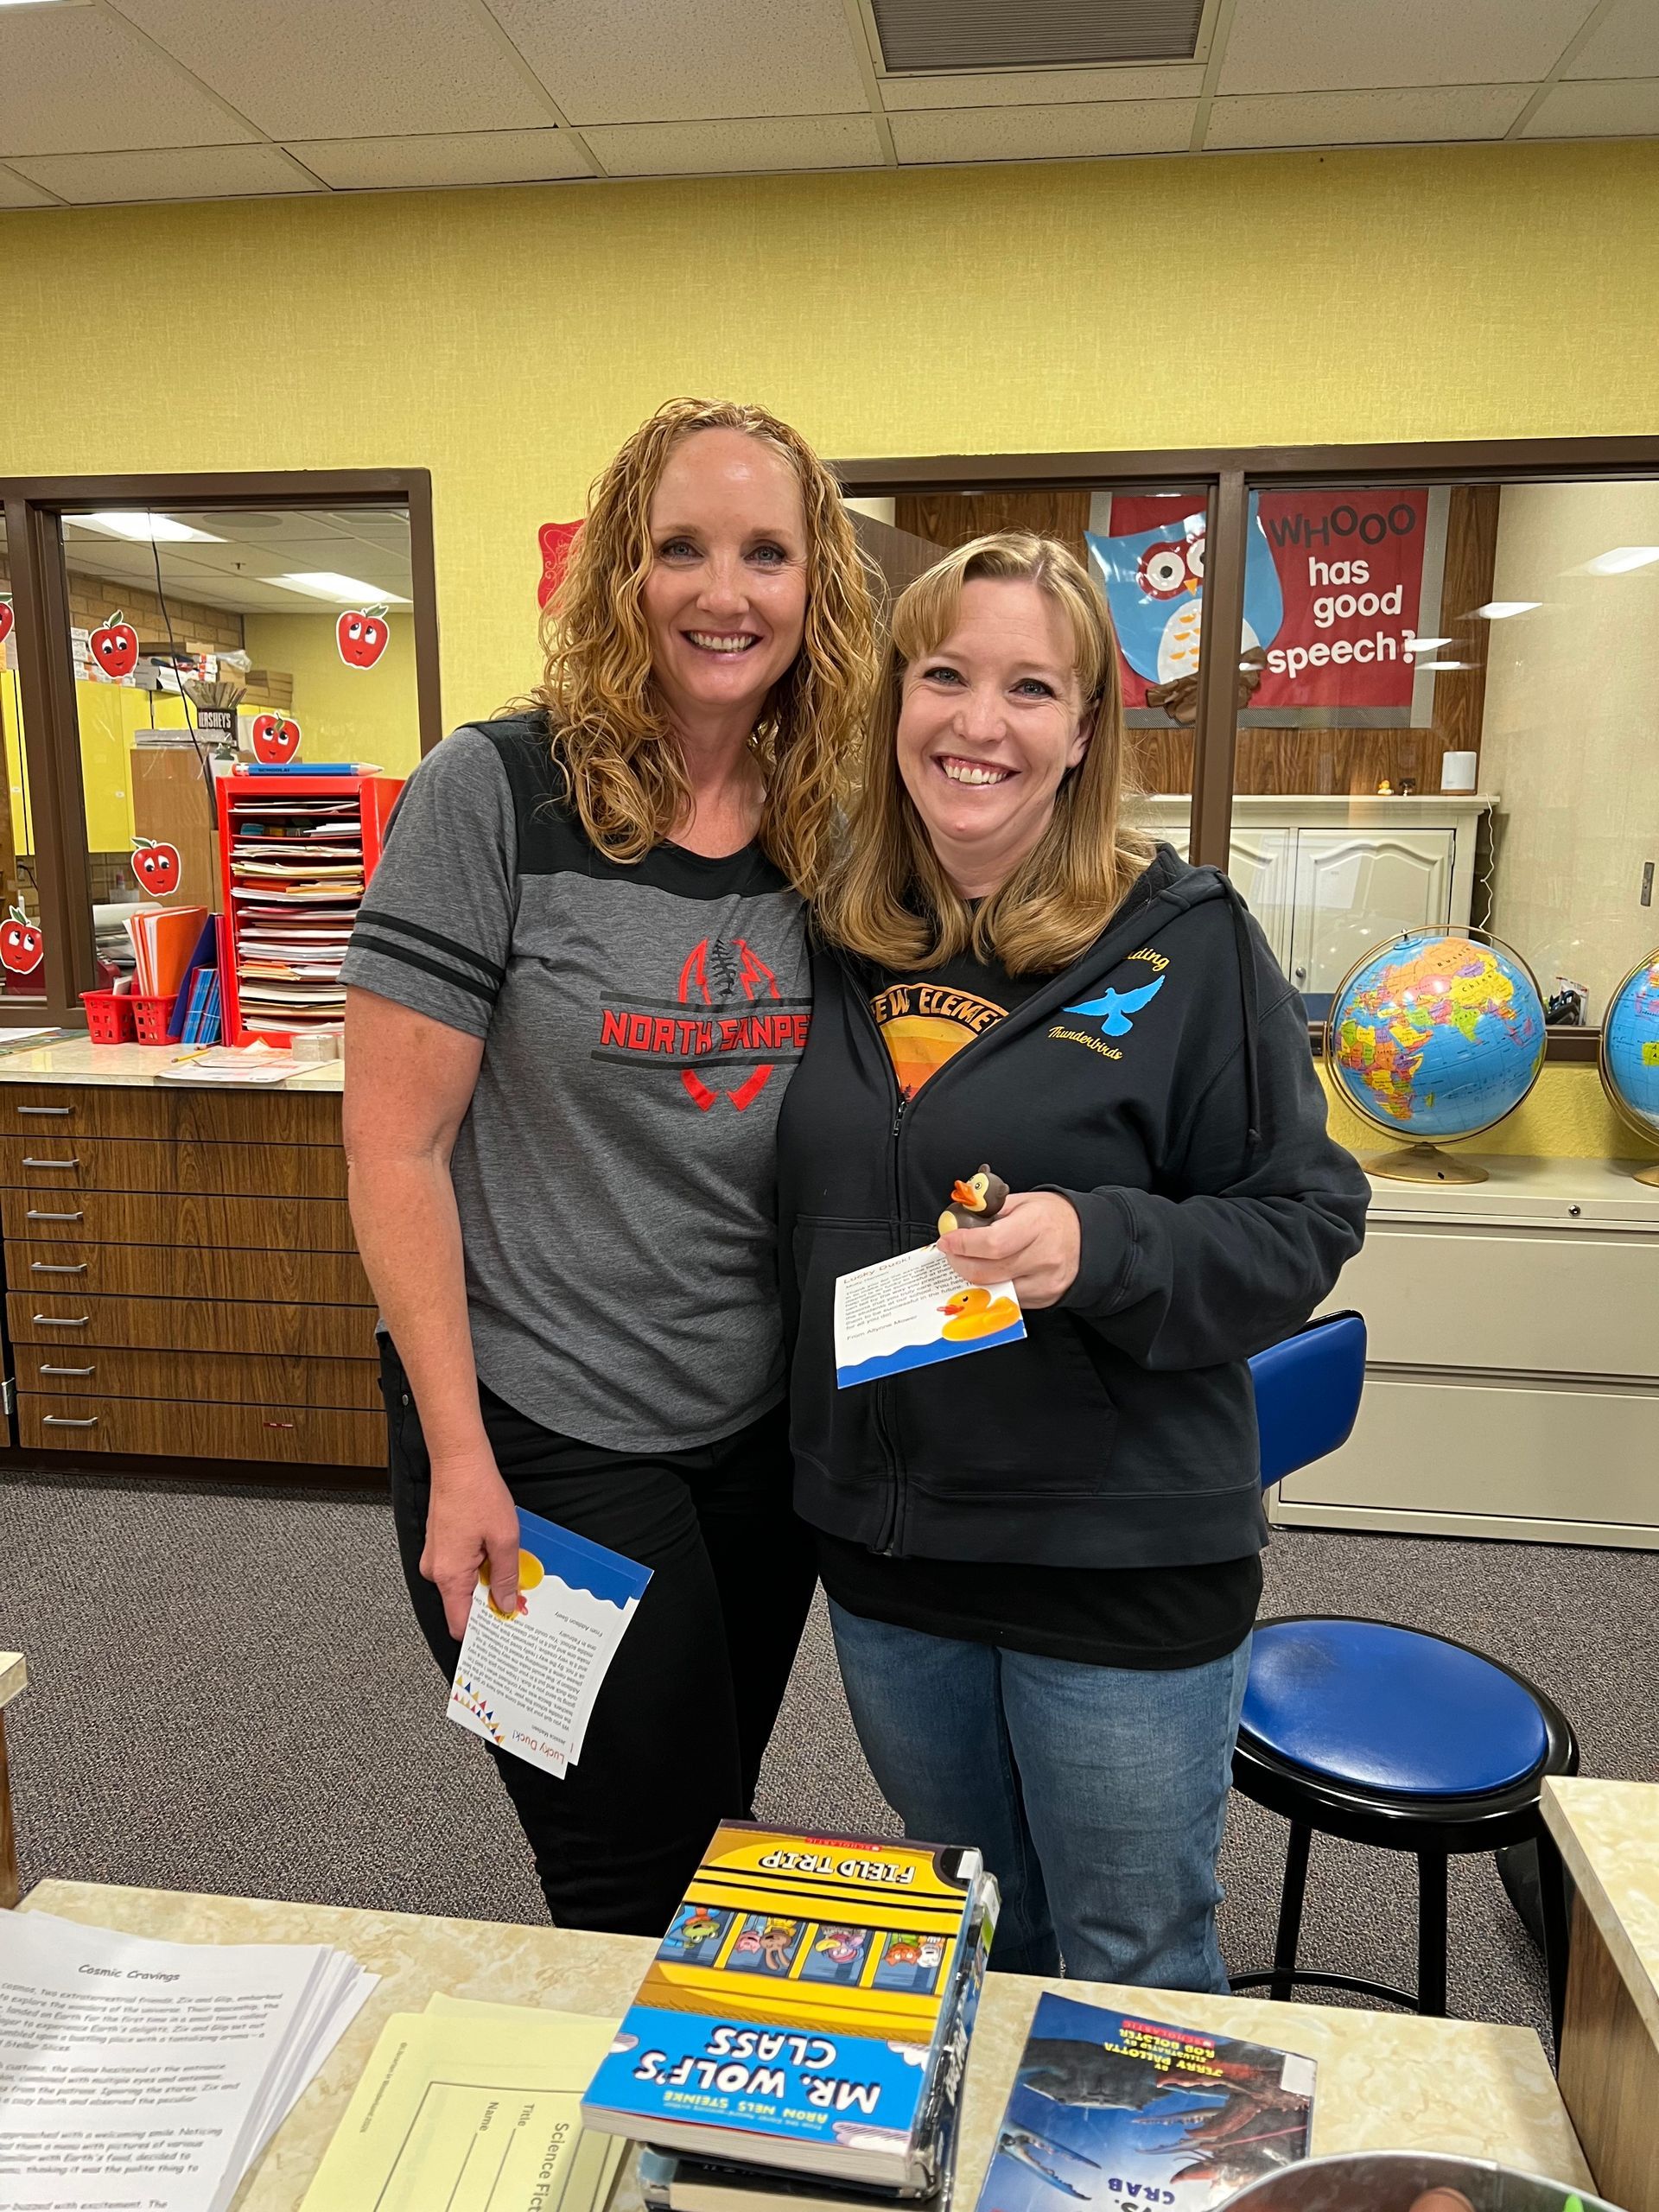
[974, 1313]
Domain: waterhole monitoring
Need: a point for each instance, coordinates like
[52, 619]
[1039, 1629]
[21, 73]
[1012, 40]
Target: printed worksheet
[914, 1312]
[528, 1682]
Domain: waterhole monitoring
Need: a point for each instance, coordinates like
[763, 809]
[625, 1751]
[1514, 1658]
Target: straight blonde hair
[624, 772]
[889, 898]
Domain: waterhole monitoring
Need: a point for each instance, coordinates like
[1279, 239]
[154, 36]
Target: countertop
[76, 1060]
[1520, 1188]
[13, 1675]
[1389, 2081]
[1608, 1833]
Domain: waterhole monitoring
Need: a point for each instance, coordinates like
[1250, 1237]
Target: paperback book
[799, 2013]
[1111, 2109]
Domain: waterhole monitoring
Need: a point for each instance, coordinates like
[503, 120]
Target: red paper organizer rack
[374, 796]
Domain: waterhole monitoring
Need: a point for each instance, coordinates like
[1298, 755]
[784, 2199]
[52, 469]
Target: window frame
[1229, 474]
[35, 507]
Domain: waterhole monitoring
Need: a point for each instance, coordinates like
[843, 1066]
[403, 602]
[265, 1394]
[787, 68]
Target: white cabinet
[1512, 1376]
[1329, 877]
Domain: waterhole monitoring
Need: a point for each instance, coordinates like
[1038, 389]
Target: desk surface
[1608, 1833]
[13, 1675]
[76, 1060]
[1387, 2081]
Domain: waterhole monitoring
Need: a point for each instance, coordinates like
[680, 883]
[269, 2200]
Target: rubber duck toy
[974, 1313]
[974, 1203]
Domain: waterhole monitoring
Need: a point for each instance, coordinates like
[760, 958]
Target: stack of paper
[473, 2106]
[164, 942]
[137, 2072]
[296, 870]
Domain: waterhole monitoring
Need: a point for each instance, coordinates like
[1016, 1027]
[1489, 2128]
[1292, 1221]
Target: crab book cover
[796, 2005]
[1112, 2109]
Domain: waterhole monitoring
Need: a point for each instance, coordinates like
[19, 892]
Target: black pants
[677, 1732]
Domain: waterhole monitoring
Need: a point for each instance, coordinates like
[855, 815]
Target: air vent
[934, 34]
[243, 524]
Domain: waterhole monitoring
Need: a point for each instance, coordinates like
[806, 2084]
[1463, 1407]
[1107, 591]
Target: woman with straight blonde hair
[577, 992]
[1042, 1557]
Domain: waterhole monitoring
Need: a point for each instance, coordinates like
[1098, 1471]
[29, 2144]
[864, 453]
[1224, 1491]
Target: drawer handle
[279, 1423]
[46, 1268]
[28, 1162]
[45, 1370]
[67, 1421]
[34, 1214]
[46, 1110]
[56, 1321]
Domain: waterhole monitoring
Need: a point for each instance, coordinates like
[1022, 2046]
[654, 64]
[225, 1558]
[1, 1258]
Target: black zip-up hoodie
[1163, 1084]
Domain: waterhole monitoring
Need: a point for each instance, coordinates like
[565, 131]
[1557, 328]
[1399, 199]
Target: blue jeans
[1097, 1794]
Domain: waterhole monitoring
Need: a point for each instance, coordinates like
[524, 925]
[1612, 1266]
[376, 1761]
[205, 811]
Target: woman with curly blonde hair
[577, 991]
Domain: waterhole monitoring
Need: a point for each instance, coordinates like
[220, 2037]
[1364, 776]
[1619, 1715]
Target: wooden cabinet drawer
[190, 1324]
[189, 1271]
[211, 1379]
[65, 1162]
[209, 1116]
[177, 1218]
[302, 1434]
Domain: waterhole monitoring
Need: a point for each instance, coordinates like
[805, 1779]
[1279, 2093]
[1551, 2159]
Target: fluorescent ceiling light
[1434, 667]
[1622, 559]
[1424, 644]
[143, 528]
[343, 591]
[1499, 610]
[45, 3]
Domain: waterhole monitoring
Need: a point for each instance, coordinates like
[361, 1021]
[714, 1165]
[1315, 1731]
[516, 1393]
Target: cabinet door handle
[34, 1214]
[45, 1370]
[46, 1268]
[279, 1423]
[58, 1321]
[46, 1110]
[28, 1162]
[67, 1421]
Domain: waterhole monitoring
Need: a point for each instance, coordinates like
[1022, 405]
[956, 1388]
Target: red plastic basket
[152, 1017]
[109, 1017]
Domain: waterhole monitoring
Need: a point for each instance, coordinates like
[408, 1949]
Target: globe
[1630, 1052]
[1437, 1034]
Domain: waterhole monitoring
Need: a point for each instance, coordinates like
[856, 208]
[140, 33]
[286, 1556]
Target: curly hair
[624, 773]
[889, 898]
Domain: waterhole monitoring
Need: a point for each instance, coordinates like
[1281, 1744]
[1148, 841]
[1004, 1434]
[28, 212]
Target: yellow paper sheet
[474, 2110]
[589, 2175]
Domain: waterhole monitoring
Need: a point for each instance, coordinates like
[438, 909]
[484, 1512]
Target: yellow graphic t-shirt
[925, 1021]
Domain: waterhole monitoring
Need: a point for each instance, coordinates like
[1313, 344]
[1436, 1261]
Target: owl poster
[1337, 590]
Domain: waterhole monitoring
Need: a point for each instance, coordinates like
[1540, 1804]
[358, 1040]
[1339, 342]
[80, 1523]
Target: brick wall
[93, 600]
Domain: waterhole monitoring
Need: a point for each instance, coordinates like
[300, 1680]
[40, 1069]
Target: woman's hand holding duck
[1034, 1243]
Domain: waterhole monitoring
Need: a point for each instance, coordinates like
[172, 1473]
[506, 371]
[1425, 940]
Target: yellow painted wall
[507, 339]
[344, 714]
[1565, 1116]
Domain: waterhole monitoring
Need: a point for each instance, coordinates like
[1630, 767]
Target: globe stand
[1649, 1174]
[1424, 1163]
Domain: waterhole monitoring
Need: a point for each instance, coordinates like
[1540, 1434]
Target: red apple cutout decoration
[21, 946]
[361, 633]
[276, 739]
[5, 619]
[115, 647]
[155, 866]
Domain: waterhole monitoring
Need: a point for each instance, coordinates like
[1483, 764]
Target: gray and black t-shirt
[615, 1171]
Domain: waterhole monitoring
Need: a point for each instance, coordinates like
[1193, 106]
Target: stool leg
[1552, 1897]
[1431, 1933]
[1290, 1911]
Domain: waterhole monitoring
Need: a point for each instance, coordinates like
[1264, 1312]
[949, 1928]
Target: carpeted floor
[227, 1693]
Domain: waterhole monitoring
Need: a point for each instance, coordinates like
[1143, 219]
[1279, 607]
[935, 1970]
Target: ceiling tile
[187, 172]
[1041, 87]
[17, 192]
[660, 61]
[1626, 110]
[799, 141]
[1624, 44]
[75, 81]
[1044, 134]
[336, 68]
[452, 157]
[1310, 46]
[1420, 114]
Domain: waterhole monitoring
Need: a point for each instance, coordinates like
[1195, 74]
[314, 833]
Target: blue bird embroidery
[1115, 1006]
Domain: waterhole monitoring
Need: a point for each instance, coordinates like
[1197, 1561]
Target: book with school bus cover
[1115, 2110]
[794, 2012]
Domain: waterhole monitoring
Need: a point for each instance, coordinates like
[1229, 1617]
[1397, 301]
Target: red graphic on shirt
[752, 972]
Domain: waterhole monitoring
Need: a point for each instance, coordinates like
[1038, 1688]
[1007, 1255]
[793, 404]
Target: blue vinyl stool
[1381, 1734]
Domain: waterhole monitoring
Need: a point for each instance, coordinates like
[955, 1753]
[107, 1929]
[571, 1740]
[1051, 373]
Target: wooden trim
[10, 1888]
[1215, 735]
[171, 1467]
[424, 585]
[1609, 2072]
[219, 487]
